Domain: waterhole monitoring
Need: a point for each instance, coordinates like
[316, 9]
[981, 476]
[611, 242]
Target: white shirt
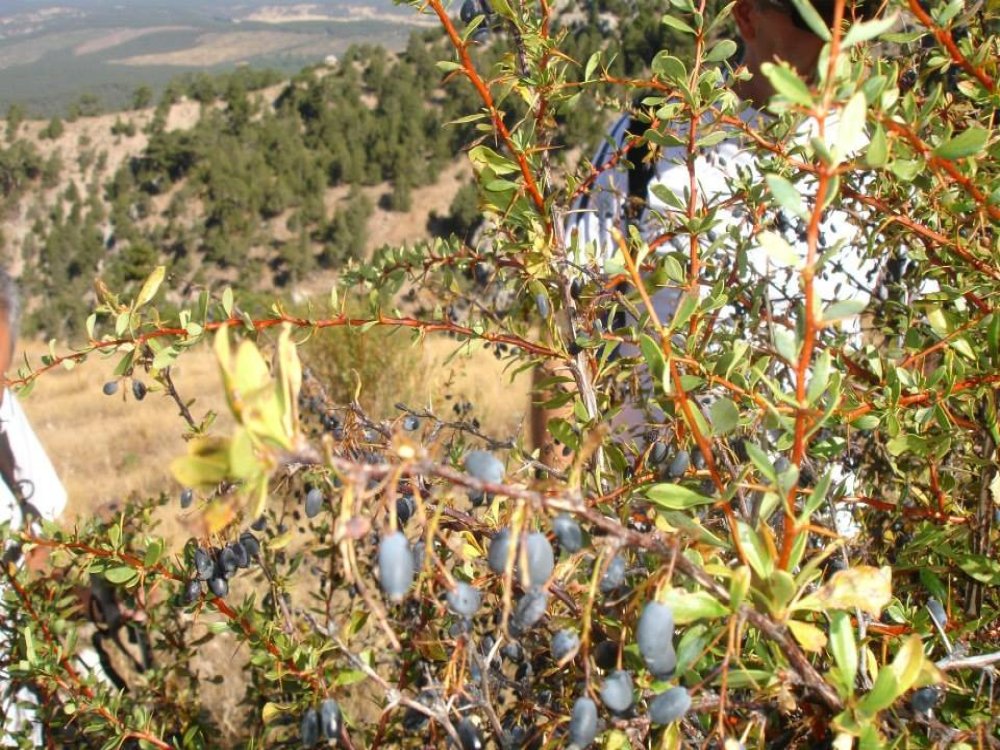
[40, 483]
[722, 172]
[42, 488]
[850, 274]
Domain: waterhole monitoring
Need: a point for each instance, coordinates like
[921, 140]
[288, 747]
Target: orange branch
[484, 93]
[944, 37]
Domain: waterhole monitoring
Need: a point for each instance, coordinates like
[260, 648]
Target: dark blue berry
[669, 706]
[568, 532]
[616, 691]
[464, 599]
[314, 502]
[218, 586]
[395, 562]
[330, 719]
[309, 728]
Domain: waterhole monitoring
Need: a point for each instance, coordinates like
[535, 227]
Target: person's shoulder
[12, 413]
[33, 463]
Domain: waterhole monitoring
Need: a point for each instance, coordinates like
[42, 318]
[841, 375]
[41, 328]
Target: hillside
[90, 142]
[245, 179]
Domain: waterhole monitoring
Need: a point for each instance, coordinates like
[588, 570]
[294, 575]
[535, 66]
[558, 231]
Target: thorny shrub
[799, 548]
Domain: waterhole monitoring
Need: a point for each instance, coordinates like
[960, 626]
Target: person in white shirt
[30, 491]
[770, 30]
[731, 252]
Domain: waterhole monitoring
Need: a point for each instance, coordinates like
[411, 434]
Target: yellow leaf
[290, 377]
[281, 540]
[206, 464]
[271, 711]
[217, 516]
[865, 587]
[150, 286]
[251, 371]
[908, 663]
[810, 637]
[260, 497]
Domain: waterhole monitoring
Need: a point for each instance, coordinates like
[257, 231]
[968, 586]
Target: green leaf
[721, 51]
[777, 249]
[668, 67]
[820, 377]
[739, 585]
[816, 498]
[897, 678]
[164, 358]
[843, 648]
[653, 355]
[153, 553]
[690, 647]
[813, 19]
[724, 415]
[677, 24]
[120, 575]
[786, 194]
[483, 156]
[904, 443]
[754, 550]
[150, 286]
[967, 143]
[761, 461]
[851, 126]
[689, 303]
[981, 568]
[787, 83]
[883, 693]
[847, 308]
[878, 148]
[787, 344]
[746, 678]
[689, 606]
[693, 529]
[675, 497]
[349, 677]
[865, 30]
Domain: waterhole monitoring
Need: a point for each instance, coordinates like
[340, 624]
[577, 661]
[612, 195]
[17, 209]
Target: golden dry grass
[107, 448]
[117, 37]
[219, 48]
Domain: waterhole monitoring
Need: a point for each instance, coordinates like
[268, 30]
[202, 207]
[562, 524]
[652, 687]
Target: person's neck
[757, 90]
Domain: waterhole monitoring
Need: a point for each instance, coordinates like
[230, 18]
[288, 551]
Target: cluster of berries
[216, 565]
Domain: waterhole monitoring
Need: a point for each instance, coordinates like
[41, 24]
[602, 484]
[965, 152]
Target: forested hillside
[248, 179]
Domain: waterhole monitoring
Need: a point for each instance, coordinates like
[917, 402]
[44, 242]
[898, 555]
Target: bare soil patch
[228, 47]
[116, 37]
[310, 12]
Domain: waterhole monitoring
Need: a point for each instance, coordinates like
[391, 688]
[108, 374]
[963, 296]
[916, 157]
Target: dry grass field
[107, 448]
